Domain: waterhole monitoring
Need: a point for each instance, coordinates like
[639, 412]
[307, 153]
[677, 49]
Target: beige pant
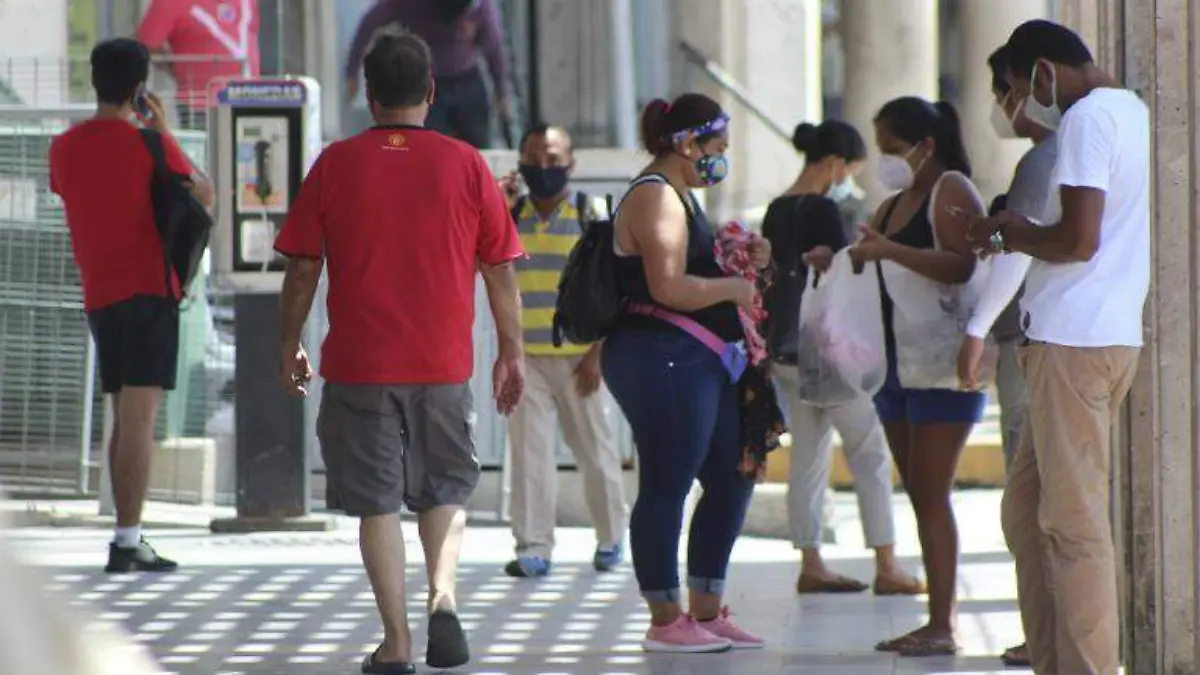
[550, 389]
[866, 452]
[1061, 536]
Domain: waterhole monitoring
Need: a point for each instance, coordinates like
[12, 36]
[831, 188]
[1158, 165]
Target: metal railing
[49, 436]
[40, 82]
[723, 79]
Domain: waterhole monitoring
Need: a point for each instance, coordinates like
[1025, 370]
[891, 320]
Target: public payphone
[265, 135]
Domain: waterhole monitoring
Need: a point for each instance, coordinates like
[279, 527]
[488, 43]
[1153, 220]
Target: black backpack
[183, 223]
[588, 304]
[781, 299]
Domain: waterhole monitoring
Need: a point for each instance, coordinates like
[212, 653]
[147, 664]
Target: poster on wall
[262, 167]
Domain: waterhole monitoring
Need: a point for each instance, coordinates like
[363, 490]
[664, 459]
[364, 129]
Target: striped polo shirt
[547, 243]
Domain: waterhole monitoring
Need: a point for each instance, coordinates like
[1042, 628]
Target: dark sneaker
[140, 558]
[607, 560]
[447, 647]
[528, 566]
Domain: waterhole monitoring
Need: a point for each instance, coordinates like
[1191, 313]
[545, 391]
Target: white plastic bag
[840, 350]
[929, 320]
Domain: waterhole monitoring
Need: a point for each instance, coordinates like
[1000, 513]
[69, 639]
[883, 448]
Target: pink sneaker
[722, 627]
[683, 636]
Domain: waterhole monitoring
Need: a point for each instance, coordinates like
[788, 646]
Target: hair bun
[804, 138]
[654, 126]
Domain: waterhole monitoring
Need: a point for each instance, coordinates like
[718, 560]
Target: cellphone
[142, 104]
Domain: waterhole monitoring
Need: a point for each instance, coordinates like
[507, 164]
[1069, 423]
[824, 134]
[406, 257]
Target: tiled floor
[300, 604]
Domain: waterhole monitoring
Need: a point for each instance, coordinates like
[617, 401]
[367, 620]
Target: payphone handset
[263, 145]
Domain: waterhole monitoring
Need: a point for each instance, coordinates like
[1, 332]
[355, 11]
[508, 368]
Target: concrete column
[755, 42]
[982, 27]
[891, 50]
[1147, 44]
[574, 68]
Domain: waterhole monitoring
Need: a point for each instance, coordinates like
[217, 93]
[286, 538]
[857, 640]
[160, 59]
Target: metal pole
[624, 81]
[85, 434]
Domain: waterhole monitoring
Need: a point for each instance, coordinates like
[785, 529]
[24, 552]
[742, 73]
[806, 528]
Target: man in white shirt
[1082, 316]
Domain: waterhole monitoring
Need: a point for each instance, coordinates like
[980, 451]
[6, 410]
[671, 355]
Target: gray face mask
[1046, 116]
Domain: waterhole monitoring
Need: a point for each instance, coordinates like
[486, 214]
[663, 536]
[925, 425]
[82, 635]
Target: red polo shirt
[224, 29]
[403, 217]
[102, 170]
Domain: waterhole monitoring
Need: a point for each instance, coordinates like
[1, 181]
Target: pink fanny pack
[732, 354]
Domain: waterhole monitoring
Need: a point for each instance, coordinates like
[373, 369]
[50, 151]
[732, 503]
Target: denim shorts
[896, 404]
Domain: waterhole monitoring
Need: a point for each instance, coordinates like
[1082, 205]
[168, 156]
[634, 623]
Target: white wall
[33, 50]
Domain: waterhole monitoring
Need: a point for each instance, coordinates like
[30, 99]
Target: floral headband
[710, 127]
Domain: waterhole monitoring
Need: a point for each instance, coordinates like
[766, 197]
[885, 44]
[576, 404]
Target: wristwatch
[997, 241]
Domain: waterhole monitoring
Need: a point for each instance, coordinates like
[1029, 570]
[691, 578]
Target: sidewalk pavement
[299, 602]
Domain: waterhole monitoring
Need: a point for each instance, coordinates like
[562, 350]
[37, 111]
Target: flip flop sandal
[372, 666]
[924, 647]
[895, 644]
[1011, 657]
[447, 646]
[887, 587]
[839, 584]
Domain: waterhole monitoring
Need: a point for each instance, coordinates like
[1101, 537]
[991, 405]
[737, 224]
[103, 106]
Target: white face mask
[1001, 123]
[894, 172]
[1046, 116]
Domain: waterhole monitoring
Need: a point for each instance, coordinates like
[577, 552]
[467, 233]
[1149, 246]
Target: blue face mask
[712, 169]
[839, 191]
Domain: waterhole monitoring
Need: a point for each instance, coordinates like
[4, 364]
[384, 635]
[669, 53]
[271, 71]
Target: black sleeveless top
[721, 319]
[917, 233]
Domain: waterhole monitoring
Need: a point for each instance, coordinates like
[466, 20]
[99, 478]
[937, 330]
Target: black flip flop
[371, 666]
[447, 646]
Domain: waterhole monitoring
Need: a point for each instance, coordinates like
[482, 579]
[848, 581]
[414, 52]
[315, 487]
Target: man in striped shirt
[564, 380]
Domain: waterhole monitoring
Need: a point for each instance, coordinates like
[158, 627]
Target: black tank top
[721, 318]
[917, 233]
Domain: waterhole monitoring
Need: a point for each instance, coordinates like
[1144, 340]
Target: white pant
[550, 389]
[866, 451]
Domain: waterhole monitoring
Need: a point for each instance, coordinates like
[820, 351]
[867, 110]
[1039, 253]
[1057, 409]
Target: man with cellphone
[405, 218]
[1081, 311]
[564, 383]
[102, 170]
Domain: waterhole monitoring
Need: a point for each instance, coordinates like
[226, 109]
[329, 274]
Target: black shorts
[137, 342]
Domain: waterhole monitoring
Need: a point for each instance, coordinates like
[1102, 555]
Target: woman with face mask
[921, 230]
[805, 230]
[676, 392]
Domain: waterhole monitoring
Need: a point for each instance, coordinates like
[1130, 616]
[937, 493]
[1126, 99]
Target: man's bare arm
[504, 297]
[1076, 238]
[299, 287]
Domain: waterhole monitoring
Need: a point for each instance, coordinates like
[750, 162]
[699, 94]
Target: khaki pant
[1061, 536]
[550, 389]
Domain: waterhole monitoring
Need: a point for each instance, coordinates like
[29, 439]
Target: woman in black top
[805, 230]
[678, 397]
[924, 233]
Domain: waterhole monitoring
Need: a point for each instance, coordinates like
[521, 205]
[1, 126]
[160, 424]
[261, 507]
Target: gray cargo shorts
[390, 445]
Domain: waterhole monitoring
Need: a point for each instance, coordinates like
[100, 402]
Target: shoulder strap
[583, 206]
[933, 196]
[158, 153]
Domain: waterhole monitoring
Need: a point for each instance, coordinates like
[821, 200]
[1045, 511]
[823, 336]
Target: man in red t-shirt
[102, 170]
[405, 218]
[211, 39]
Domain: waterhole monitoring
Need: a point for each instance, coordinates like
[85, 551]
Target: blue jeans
[684, 414]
